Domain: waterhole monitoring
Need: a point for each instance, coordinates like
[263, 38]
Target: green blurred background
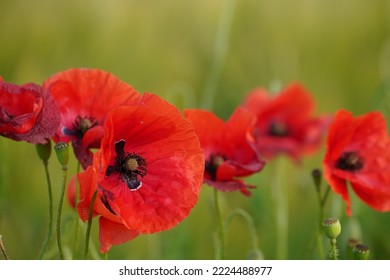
[206, 53]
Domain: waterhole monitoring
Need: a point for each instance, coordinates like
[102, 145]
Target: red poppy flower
[85, 96]
[148, 171]
[27, 113]
[227, 152]
[358, 152]
[285, 123]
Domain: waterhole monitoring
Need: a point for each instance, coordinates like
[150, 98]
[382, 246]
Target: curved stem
[248, 219]
[59, 212]
[220, 254]
[50, 226]
[90, 213]
[2, 248]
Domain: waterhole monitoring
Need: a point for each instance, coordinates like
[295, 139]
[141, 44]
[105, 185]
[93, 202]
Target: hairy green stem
[50, 226]
[334, 249]
[89, 225]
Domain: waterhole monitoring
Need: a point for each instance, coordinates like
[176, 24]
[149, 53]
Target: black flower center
[80, 126]
[278, 129]
[212, 165]
[350, 161]
[129, 166]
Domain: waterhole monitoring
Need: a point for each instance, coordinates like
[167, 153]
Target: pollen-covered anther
[218, 160]
[84, 125]
[131, 164]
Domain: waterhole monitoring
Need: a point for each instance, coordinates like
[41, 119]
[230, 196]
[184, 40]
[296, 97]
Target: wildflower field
[194, 130]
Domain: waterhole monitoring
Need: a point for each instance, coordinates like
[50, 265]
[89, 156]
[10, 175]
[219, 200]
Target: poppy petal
[27, 113]
[111, 233]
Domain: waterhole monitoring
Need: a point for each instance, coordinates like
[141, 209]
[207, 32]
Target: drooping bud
[317, 178]
[62, 152]
[44, 151]
[331, 227]
[361, 252]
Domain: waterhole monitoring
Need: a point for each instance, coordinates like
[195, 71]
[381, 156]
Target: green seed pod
[62, 151]
[361, 252]
[44, 151]
[351, 243]
[331, 227]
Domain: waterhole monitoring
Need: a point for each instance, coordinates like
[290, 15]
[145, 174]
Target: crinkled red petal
[28, 113]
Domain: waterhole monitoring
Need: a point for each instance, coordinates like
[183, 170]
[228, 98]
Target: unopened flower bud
[361, 252]
[317, 178]
[331, 227]
[44, 151]
[62, 151]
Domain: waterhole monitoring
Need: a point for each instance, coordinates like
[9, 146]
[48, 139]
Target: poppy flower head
[285, 122]
[85, 96]
[27, 113]
[227, 148]
[148, 170]
[358, 152]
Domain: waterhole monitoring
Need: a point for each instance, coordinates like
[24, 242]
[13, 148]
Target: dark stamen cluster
[80, 126]
[212, 165]
[350, 161]
[129, 166]
[278, 129]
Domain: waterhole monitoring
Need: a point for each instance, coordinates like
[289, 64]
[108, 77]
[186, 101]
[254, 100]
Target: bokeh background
[209, 54]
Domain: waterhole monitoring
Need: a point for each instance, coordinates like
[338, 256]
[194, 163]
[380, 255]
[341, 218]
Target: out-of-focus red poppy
[228, 154]
[358, 152]
[285, 122]
[85, 96]
[148, 171]
[27, 113]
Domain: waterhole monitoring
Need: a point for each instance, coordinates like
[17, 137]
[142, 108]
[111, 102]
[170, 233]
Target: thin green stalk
[89, 225]
[2, 248]
[76, 200]
[50, 226]
[325, 197]
[321, 201]
[320, 219]
[281, 211]
[220, 50]
[220, 252]
[59, 211]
